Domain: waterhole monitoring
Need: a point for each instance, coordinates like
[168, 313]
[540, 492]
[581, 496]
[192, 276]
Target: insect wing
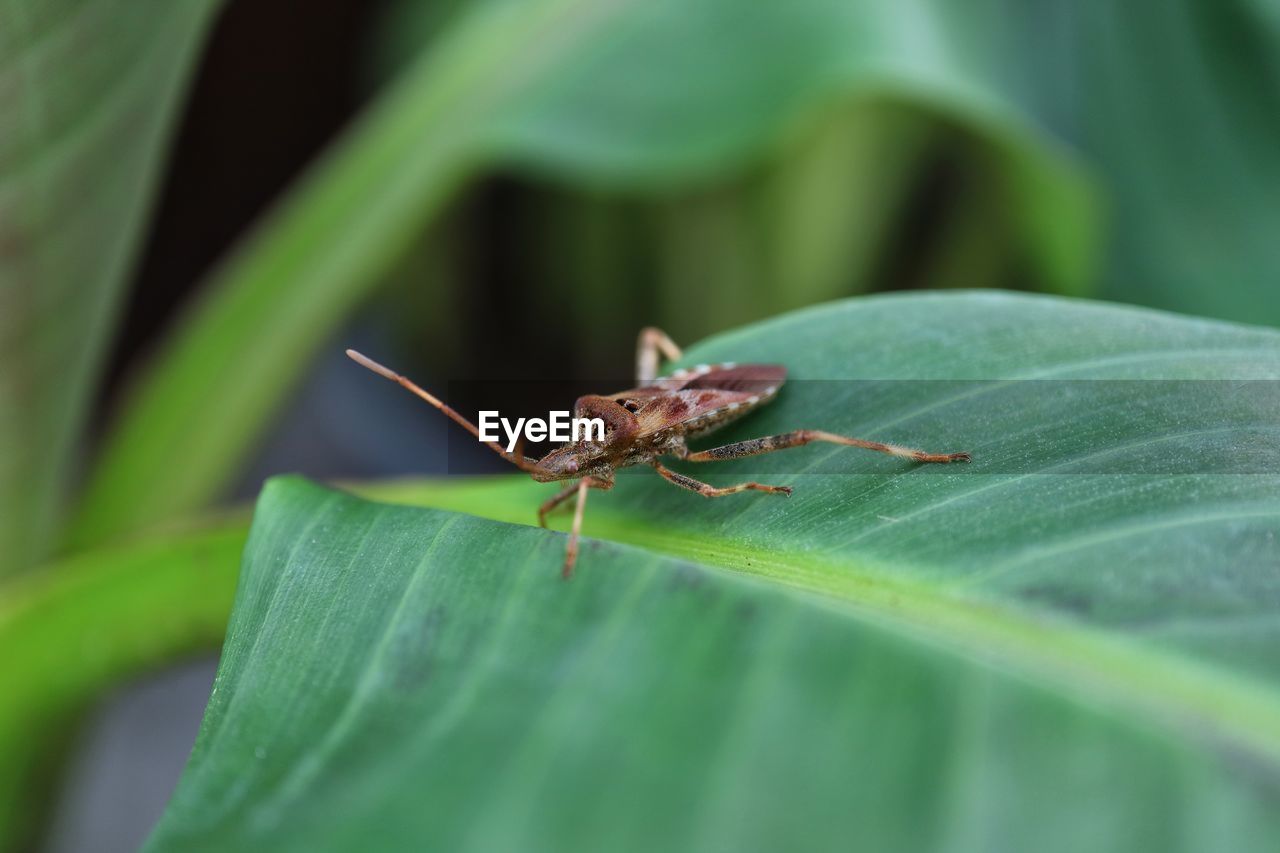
[705, 396]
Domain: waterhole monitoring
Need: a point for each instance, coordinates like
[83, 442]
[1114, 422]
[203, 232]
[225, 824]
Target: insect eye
[629, 405]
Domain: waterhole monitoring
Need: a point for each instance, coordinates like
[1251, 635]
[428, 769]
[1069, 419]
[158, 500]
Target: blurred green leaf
[1174, 109]
[86, 624]
[1177, 109]
[1067, 645]
[88, 92]
[564, 88]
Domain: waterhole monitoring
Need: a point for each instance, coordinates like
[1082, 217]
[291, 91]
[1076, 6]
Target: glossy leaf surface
[1066, 644]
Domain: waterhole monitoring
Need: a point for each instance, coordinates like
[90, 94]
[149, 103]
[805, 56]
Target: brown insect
[656, 419]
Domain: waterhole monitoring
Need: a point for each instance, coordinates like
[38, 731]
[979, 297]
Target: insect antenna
[519, 460]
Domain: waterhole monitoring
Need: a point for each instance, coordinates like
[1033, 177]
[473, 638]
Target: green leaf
[1177, 110]
[88, 91]
[1174, 109]
[562, 87]
[1066, 645]
[79, 627]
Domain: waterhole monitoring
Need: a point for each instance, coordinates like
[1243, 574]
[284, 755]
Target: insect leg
[553, 502]
[802, 437]
[550, 505]
[571, 551]
[651, 341]
[709, 491]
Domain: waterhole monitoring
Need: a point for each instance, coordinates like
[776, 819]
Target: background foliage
[699, 165]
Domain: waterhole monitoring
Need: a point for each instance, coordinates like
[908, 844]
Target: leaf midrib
[1089, 664]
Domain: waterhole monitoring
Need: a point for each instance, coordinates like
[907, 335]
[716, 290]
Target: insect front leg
[709, 491]
[578, 489]
[571, 550]
[801, 437]
[552, 503]
[651, 341]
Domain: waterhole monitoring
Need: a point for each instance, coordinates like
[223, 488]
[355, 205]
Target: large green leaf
[1177, 109]
[565, 87]
[1067, 645]
[88, 90]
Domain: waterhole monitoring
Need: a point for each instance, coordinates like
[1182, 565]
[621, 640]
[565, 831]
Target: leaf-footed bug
[655, 419]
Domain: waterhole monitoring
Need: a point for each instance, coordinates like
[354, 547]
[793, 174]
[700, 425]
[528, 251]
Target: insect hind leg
[653, 340]
[801, 437]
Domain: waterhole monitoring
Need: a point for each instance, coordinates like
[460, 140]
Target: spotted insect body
[657, 418]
